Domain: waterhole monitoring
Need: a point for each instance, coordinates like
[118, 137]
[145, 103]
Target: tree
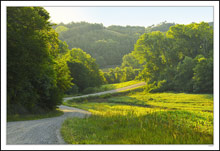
[128, 74]
[151, 49]
[110, 76]
[33, 83]
[168, 57]
[192, 39]
[129, 60]
[60, 29]
[203, 75]
[183, 77]
[84, 70]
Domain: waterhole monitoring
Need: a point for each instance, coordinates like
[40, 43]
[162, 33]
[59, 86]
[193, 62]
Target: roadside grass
[18, 117]
[107, 87]
[140, 118]
[102, 96]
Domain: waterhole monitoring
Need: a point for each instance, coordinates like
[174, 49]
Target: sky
[134, 16]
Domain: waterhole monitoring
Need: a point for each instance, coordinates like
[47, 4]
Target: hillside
[107, 45]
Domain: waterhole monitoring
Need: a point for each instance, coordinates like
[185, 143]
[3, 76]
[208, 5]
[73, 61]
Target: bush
[73, 90]
[183, 77]
[89, 90]
[155, 86]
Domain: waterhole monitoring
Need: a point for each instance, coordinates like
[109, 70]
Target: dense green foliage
[140, 118]
[60, 29]
[106, 44]
[203, 75]
[113, 45]
[83, 70]
[118, 75]
[184, 75]
[129, 60]
[33, 83]
[40, 67]
[180, 59]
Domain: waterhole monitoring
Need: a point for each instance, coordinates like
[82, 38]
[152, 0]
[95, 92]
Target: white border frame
[215, 4]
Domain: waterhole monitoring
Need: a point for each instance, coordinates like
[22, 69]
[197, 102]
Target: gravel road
[110, 91]
[44, 131]
[47, 131]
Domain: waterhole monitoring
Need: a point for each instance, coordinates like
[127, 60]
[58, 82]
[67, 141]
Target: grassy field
[17, 117]
[140, 118]
[107, 87]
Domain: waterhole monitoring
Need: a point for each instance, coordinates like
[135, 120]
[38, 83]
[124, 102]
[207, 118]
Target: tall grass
[139, 118]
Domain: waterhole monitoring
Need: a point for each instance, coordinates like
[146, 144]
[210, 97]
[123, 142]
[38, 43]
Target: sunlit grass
[118, 85]
[139, 118]
[121, 85]
[181, 101]
[107, 87]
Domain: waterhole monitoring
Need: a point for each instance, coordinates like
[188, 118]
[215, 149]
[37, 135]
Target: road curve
[43, 131]
[47, 131]
[106, 92]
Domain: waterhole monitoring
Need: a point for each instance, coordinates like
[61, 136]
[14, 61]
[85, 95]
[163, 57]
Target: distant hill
[106, 44]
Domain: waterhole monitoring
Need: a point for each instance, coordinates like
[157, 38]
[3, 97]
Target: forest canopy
[179, 60]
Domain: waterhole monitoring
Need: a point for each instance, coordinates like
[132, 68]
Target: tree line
[109, 44]
[180, 59]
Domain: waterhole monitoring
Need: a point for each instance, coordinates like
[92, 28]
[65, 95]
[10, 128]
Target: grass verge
[95, 97]
[108, 87]
[18, 117]
[140, 118]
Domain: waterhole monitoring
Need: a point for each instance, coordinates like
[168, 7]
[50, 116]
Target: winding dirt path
[43, 131]
[47, 131]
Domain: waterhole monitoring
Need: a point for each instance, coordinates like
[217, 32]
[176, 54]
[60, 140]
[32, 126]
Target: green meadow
[142, 118]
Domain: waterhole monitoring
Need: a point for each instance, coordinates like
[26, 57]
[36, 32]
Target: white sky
[140, 16]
